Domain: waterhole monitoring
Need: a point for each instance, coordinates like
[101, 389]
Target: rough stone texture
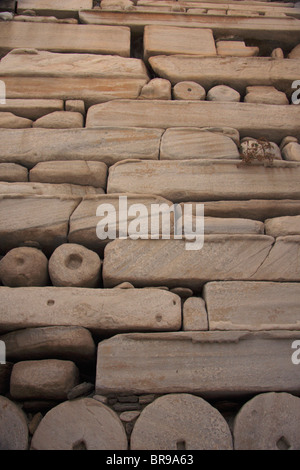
[54, 342]
[282, 226]
[266, 95]
[24, 267]
[270, 421]
[99, 310]
[214, 225]
[60, 120]
[206, 180]
[48, 189]
[156, 89]
[185, 143]
[223, 93]
[194, 314]
[210, 71]
[13, 426]
[277, 53]
[258, 120]
[260, 149]
[243, 362]
[75, 106]
[189, 91]
[295, 53]
[236, 49]
[168, 40]
[108, 145]
[54, 7]
[83, 173]
[73, 265]
[11, 172]
[116, 4]
[80, 424]
[48, 379]
[40, 219]
[45, 19]
[181, 419]
[10, 121]
[291, 152]
[252, 305]
[65, 38]
[287, 140]
[168, 263]
[31, 109]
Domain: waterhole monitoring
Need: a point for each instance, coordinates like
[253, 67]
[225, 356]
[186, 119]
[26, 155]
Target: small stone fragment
[295, 53]
[194, 315]
[124, 285]
[236, 49]
[85, 388]
[291, 152]
[257, 150]
[286, 140]
[75, 106]
[116, 5]
[24, 267]
[60, 120]
[265, 95]
[189, 91]
[32, 426]
[129, 416]
[277, 53]
[223, 93]
[6, 16]
[156, 89]
[183, 292]
[10, 121]
[13, 173]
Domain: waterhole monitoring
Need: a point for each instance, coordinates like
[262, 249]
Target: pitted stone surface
[24, 267]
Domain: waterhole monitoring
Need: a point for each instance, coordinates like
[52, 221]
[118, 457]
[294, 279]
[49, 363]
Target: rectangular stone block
[48, 189]
[169, 40]
[57, 37]
[106, 145]
[11, 172]
[256, 120]
[65, 9]
[169, 263]
[99, 310]
[32, 109]
[212, 364]
[252, 305]
[282, 226]
[206, 180]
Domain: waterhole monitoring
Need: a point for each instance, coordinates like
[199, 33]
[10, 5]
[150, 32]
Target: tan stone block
[76, 106]
[31, 109]
[194, 315]
[11, 173]
[266, 95]
[10, 121]
[60, 120]
[24, 267]
[156, 89]
[282, 226]
[188, 91]
[236, 49]
[291, 152]
[54, 7]
[48, 189]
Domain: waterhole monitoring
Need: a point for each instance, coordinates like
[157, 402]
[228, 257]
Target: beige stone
[223, 93]
[108, 145]
[60, 120]
[258, 120]
[48, 379]
[269, 421]
[287, 140]
[236, 49]
[24, 267]
[291, 152]
[83, 424]
[256, 150]
[54, 342]
[181, 421]
[266, 95]
[243, 363]
[54, 7]
[183, 292]
[10, 121]
[295, 53]
[45, 19]
[76, 106]
[83, 173]
[169, 263]
[194, 315]
[73, 265]
[99, 310]
[13, 426]
[11, 172]
[277, 53]
[282, 226]
[31, 109]
[48, 189]
[116, 4]
[193, 143]
[168, 40]
[214, 225]
[188, 91]
[156, 89]
[206, 180]
[252, 305]
[40, 219]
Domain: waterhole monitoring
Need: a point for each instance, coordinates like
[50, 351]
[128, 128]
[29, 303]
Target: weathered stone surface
[107, 145]
[80, 390]
[236, 49]
[291, 152]
[10, 121]
[156, 89]
[183, 292]
[189, 91]
[184, 143]
[252, 305]
[116, 4]
[211, 71]
[31, 109]
[99, 310]
[213, 225]
[45, 19]
[13, 426]
[24, 267]
[181, 420]
[48, 189]
[84, 220]
[48, 379]
[73, 265]
[80, 424]
[282, 226]
[256, 150]
[60, 120]
[65, 38]
[266, 95]
[194, 314]
[167, 262]
[83, 173]
[54, 7]
[295, 53]
[168, 40]
[258, 120]
[76, 106]
[287, 140]
[40, 219]
[270, 421]
[72, 343]
[204, 180]
[223, 93]
[170, 363]
[11, 172]
[277, 53]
